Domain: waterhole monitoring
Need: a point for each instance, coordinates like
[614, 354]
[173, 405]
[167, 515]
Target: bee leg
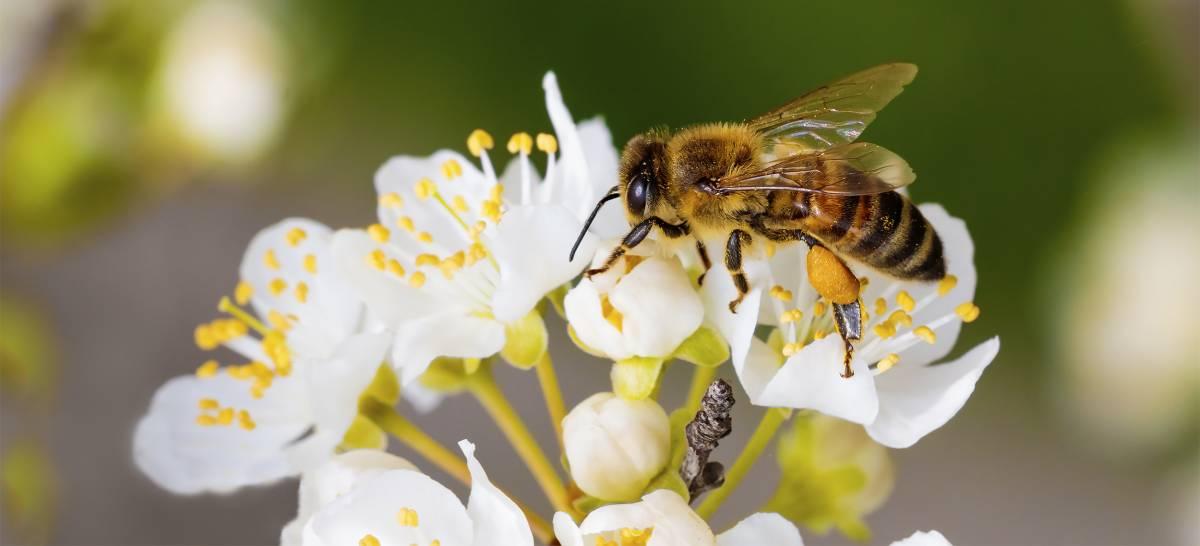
[703, 260]
[635, 238]
[848, 319]
[733, 262]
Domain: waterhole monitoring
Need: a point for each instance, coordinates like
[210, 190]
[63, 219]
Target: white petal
[916, 403]
[373, 507]
[531, 245]
[811, 379]
[495, 515]
[422, 399]
[761, 529]
[389, 300]
[336, 383]
[333, 479]
[401, 174]
[718, 290]
[924, 538]
[583, 310]
[451, 334]
[186, 458]
[572, 185]
[330, 312]
[602, 173]
[674, 522]
[566, 531]
[660, 308]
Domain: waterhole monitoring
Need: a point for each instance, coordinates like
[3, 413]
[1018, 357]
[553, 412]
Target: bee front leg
[733, 262]
[635, 238]
[700, 249]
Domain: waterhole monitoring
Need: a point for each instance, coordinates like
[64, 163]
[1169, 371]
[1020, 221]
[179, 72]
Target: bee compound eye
[638, 193]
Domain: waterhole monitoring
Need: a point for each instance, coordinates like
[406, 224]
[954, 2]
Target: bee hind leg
[848, 319]
[733, 262]
[635, 238]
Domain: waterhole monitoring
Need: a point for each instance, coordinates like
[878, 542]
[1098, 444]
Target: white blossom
[335, 478]
[614, 446]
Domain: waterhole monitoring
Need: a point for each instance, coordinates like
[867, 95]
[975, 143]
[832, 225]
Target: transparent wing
[836, 113]
[859, 168]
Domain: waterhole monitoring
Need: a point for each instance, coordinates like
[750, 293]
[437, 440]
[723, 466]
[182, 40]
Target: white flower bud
[616, 446]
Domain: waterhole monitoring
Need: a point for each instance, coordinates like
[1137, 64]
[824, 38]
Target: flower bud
[615, 446]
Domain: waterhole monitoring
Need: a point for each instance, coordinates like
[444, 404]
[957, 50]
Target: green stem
[552, 393]
[483, 386]
[771, 421]
[702, 377]
[389, 420]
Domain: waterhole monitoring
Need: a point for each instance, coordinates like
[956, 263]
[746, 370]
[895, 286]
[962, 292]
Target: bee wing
[836, 113]
[852, 169]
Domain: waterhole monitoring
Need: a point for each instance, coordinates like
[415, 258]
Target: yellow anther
[377, 259]
[209, 404]
[819, 309]
[947, 284]
[547, 143]
[476, 252]
[379, 233]
[245, 421]
[205, 338]
[905, 301]
[239, 372]
[301, 292]
[295, 236]
[261, 371]
[257, 391]
[395, 268]
[427, 259]
[368, 540]
[478, 141]
[242, 293]
[232, 328]
[880, 306]
[601, 541]
[208, 369]
[310, 263]
[820, 334]
[497, 192]
[634, 537]
[406, 223]
[425, 237]
[791, 315]
[926, 334]
[278, 321]
[225, 416]
[270, 260]
[887, 362]
[460, 204]
[790, 349]
[899, 317]
[491, 210]
[452, 169]
[520, 142]
[226, 306]
[408, 517]
[277, 286]
[770, 249]
[968, 311]
[884, 330]
[425, 188]
[391, 199]
[781, 293]
[417, 279]
[478, 228]
[206, 420]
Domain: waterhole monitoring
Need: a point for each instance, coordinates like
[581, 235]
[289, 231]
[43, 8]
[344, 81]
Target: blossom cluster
[329, 328]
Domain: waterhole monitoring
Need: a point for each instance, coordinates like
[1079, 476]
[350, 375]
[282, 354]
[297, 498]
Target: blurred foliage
[28, 369]
[27, 481]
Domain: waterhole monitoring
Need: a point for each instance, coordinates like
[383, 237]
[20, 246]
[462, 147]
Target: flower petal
[659, 306]
[584, 312]
[531, 246]
[335, 478]
[336, 383]
[760, 529]
[186, 458]
[450, 334]
[572, 185]
[718, 290]
[602, 161]
[674, 522]
[566, 531]
[400, 176]
[811, 379]
[389, 300]
[373, 507]
[924, 538]
[924, 398]
[495, 515]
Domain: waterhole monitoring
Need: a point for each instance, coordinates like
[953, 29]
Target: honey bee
[795, 173]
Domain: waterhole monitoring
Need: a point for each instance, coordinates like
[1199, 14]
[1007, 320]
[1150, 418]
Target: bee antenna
[612, 194]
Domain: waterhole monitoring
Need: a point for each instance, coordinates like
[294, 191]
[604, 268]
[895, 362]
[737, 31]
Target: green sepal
[585, 504]
[449, 375]
[635, 378]
[705, 347]
[668, 479]
[526, 341]
[385, 386]
[364, 434]
[556, 298]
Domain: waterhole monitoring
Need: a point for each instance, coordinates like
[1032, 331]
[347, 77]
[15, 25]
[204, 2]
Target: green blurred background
[143, 143]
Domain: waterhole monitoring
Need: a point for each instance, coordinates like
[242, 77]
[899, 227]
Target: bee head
[643, 174]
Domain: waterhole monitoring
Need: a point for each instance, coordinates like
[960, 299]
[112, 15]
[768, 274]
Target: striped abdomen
[885, 231]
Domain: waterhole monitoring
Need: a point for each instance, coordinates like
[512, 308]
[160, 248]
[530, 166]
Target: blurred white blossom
[335, 478]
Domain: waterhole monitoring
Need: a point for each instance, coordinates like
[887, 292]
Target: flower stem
[771, 421]
[483, 386]
[392, 422]
[702, 376]
[552, 393]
